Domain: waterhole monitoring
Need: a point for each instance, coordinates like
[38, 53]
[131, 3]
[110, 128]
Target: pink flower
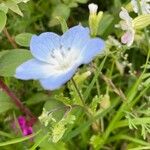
[127, 25]
[25, 126]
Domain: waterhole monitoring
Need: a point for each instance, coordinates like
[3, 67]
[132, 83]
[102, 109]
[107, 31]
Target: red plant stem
[10, 39]
[17, 101]
[5, 88]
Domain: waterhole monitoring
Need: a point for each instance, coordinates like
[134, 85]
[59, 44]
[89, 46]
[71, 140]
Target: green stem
[137, 121]
[109, 75]
[130, 96]
[97, 73]
[86, 108]
[118, 116]
[140, 148]
[128, 138]
[78, 91]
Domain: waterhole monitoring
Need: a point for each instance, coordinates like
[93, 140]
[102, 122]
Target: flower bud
[93, 8]
[105, 102]
[94, 18]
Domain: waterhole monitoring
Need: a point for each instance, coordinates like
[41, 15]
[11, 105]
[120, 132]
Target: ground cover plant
[74, 74]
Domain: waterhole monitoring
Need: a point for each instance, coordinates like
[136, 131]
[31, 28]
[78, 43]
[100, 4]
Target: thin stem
[17, 101]
[79, 94]
[129, 138]
[130, 95]
[88, 111]
[10, 39]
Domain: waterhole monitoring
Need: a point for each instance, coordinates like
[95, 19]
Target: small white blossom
[127, 25]
[93, 8]
[145, 6]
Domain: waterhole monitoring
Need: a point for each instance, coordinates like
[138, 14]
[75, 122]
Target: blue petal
[33, 69]
[42, 45]
[93, 47]
[56, 81]
[75, 37]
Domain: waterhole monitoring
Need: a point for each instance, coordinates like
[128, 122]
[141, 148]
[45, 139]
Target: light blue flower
[56, 58]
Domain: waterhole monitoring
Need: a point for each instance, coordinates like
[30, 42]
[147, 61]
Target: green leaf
[37, 98]
[95, 141]
[43, 142]
[42, 139]
[11, 60]
[23, 39]
[141, 21]
[5, 103]
[13, 6]
[3, 52]
[106, 25]
[63, 23]
[3, 19]
[57, 108]
[60, 127]
[82, 1]
[18, 140]
[61, 10]
[4, 8]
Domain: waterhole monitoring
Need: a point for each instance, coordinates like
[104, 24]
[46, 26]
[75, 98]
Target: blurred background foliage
[36, 16]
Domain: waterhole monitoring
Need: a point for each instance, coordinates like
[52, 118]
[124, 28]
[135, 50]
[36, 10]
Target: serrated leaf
[11, 60]
[13, 6]
[60, 127]
[3, 19]
[23, 39]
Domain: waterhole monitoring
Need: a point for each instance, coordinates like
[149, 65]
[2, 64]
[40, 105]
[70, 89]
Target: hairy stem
[79, 94]
[17, 101]
[10, 39]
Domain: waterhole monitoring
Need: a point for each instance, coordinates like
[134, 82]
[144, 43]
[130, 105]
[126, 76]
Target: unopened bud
[94, 18]
[93, 8]
[105, 102]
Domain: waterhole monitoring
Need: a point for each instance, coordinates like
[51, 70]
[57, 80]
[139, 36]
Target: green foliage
[12, 59]
[5, 103]
[60, 127]
[3, 19]
[23, 39]
[115, 87]
[106, 25]
[12, 5]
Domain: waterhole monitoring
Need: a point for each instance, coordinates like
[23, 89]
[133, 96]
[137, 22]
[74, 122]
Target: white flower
[127, 25]
[145, 6]
[93, 8]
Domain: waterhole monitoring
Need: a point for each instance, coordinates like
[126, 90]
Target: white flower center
[62, 59]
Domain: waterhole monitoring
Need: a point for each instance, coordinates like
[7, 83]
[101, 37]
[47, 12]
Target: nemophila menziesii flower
[128, 26]
[144, 4]
[56, 58]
